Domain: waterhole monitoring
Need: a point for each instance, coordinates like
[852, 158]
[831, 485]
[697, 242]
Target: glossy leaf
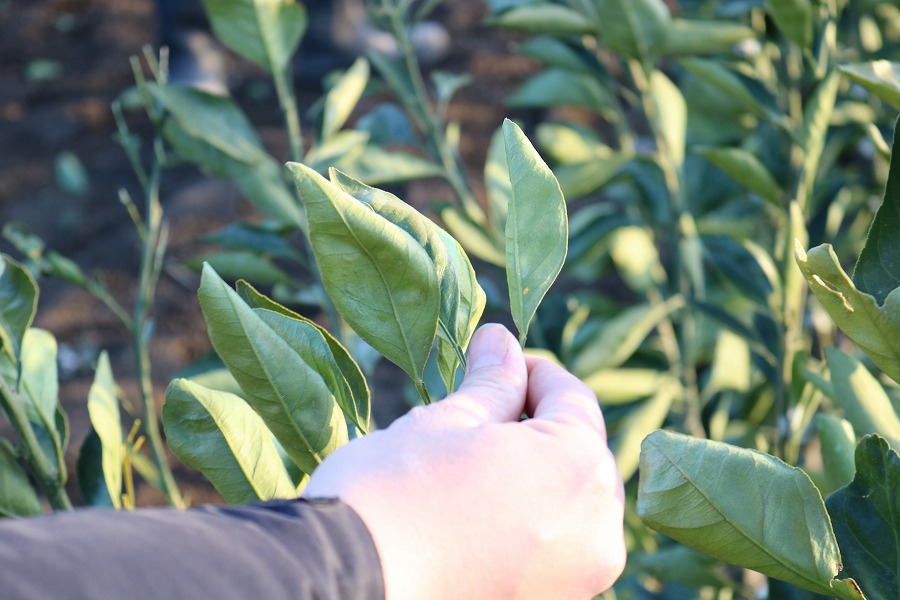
[89, 469]
[747, 170]
[875, 331]
[866, 405]
[266, 32]
[672, 113]
[690, 38]
[544, 18]
[877, 271]
[838, 442]
[285, 391]
[342, 98]
[17, 496]
[537, 228]
[621, 336]
[103, 408]
[880, 77]
[794, 18]
[212, 132]
[740, 506]
[222, 437]
[866, 519]
[635, 28]
[351, 391]
[18, 303]
[380, 279]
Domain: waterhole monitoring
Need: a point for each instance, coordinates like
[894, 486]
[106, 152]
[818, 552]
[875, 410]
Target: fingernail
[489, 347]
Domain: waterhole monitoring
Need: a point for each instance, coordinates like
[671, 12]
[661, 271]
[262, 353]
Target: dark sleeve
[280, 550]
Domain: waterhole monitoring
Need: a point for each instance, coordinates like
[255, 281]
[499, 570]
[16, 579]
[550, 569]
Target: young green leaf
[880, 77]
[866, 519]
[866, 405]
[740, 506]
[213, 133]
[222, 437]
[537, 228]
[747, 170]
[875, 331]
[266, 33]
[18, 303]
[17, 496]
[794, 18]
[103, 408]
[342, 98]
[380, 279]
[877, 271]
[635, 28]
[282, 388]
[352, 391]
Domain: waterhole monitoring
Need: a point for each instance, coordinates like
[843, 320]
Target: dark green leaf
[380, 279]
[103, 408]
[282, 388]
[537, 228]
[691, 38]
[740, 506]
[17, 497]
[747, 170]
[635, 28]
[739, 266]
[725, 81]
[794, 18]
[222, 437]
[266, 33]
[866, 518]
[91, 482]
[877, 271]
[18, 303]
[544, 18]
[242, 265]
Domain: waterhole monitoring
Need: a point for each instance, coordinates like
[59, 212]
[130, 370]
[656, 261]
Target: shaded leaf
[242, 265]
[689, 38]
[222, 437]
[747, 170]
[285, 391]
[537, 228]
[266, 32]
[557, 87]
[380, 279]
[18, 303]
[866, 519]
[103, 408]
[726, 81]
[635, 28]
[737, 505]
[89, 469]
[816, 116]
[794, 18]
[544, 18]
[877, 271]
[17, 496]
[838, 442]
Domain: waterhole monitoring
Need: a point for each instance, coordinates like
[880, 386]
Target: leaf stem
[423, 392]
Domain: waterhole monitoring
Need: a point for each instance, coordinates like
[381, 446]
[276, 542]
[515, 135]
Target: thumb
[496, 378]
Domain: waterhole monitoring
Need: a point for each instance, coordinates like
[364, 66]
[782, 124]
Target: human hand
[465, 501]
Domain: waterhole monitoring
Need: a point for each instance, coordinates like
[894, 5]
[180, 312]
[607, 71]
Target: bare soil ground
[61, 64]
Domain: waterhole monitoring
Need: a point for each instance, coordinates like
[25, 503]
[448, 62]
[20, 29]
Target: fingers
[493, 389]
[554, 394]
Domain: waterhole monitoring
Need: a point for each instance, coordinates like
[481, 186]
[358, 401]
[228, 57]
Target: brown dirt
[88, 44]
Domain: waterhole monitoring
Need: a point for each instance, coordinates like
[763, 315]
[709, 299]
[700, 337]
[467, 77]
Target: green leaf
[581, 179]
[18, 303]
[496, 182]
[690, 38]
[738, 265]
[875, 331]
[544, 18]
[622, 386]
[17, 497]
[472, 236]
[726, 81]
[866, 405]
[558, 87]
[89, 469]
[342, 98]
[282, 388]
[635, 28]
[537, 228]
[266, 32]
[794, 18]
[740, 506]
[880, 77]
[837, 440]
[380, 279]
[242, 265]
[213, 133]
[672, 113]
[641, 422]
[377, 166]
[40, 390]
[877, 271]
[621, 336]
[747, 170]
[222, 437]
[816, 116]
[352, 391]
[103, 408]
[266, 238]
[866, 519]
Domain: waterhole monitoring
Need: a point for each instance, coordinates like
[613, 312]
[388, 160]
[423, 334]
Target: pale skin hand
[465, 501]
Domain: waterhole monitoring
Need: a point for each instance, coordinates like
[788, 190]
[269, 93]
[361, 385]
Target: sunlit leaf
[342, 98]
[40, 390]
[690, 38]
[672, 113]
[537, 228]
[103, 408]
[222, 437]
[838, 442]
[880, 77]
